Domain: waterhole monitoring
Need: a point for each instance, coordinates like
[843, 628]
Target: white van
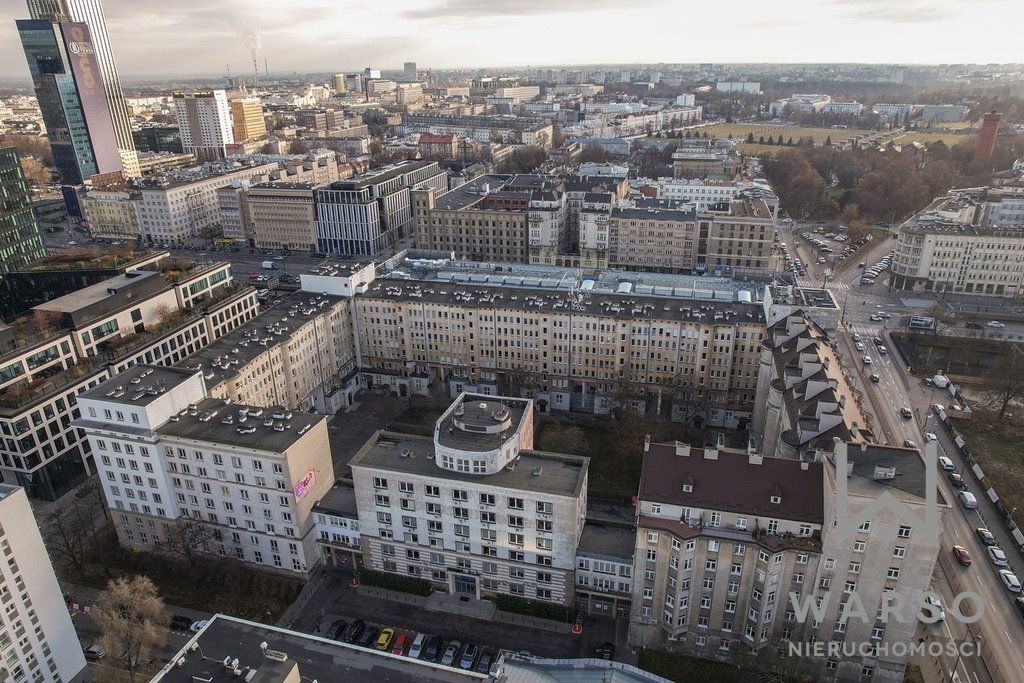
[416, 649]
[968, 500]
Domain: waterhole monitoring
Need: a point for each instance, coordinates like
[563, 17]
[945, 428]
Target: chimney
[721, 440]
[710, 454]
[804, 465]
[682, 449]
[754, 459]
[854, 429]
[842, 400]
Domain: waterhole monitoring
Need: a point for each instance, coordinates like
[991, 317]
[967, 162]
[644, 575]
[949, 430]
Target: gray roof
[109, 296]
[339, 501]
[557, 474]
[469, 193]
[317, 658]
[146, 382]
[477, 415]
[266, 437]
[608, 541]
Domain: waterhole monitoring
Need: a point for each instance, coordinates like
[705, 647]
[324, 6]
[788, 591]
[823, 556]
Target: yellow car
[385, 638]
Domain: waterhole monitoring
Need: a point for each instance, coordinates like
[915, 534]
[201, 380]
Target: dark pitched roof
[729, 482]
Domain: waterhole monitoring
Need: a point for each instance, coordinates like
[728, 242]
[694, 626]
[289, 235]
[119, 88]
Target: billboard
[85, 68]
[305, 485]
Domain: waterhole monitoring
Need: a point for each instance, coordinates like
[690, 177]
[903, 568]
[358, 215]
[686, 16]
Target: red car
[401, 645]
[962, 556]
[253, 276]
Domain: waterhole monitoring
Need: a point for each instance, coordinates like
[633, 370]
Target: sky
[204, 37]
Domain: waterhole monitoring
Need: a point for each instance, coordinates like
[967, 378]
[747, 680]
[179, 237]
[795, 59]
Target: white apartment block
[473, 510]
[799, 104]
[204, 119]
[849, 108]
[337, 528]
[594, 214]
[229, 479]
[178, 208]
[703, 193]
[102, 330]
[37, 639]
[961, 245]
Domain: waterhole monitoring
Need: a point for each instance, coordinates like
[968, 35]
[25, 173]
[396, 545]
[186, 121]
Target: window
[383, 501]
[406, 487]
[894, 573]
[899, 551]
[904, 532]
[866, 526]
[515, 539]
[515, 503]
[858, 546]
[433, 491]
[460, 495]
[855, 567]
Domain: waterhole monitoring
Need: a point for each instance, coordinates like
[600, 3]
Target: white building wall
[37, 639]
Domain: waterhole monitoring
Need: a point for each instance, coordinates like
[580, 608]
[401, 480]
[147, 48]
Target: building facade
[282, 215]
[247, 121]
[112, 215]
[180, 470]
[474, 510]
[37, 639]
[20, 240]
[205, 121]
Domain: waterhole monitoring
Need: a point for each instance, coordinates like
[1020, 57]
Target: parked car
[1009, 580]
[956, 480]
[336, 629]
[384, 638]
[929, 437]
[416, 648]
[994, 323]
[368, 636]
[354, 630]
[180, 623]
[483, 665]
[996, 555]
[433, 649]
[946, 464]
[451, 653]
[401, 644]
[1019, 602]
[469, 656]
[985, 536]
[961, 555]
[606, 651]
[968, 501]
[198, 625]
[94, 652]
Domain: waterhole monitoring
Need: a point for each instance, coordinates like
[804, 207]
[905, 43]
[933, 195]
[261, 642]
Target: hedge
[396, 582]
[532, 608]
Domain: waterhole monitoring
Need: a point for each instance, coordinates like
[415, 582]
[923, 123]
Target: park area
[741, 132]
[995, 444]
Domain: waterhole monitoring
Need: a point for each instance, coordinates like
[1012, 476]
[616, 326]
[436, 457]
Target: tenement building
[474, 510]
[964, 243]
[734, 549]
[594, 341]
[184, 473]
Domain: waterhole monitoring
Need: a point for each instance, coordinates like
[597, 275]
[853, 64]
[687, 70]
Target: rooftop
[273, 430]
[139, 385]
[107, 293]
[340, 500]
[470, 193]
[479, 423]
[380, 175]
[609, 541]
[550, 473]
[733, 482]
[317, 658]
[908, 482]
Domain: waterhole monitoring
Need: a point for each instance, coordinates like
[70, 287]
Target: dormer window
[687, 483]
[776, 500]
[687, 488]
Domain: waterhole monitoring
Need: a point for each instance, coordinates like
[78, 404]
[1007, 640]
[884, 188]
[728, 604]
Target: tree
[789, 143]
[36, 174]
[828, 141]
[593, 152]
[1004, 379]
[944, 317]
[525, 159]
[71, 528]
[189, 538]
[760, 140]
[750, 137]
[46, 321]
[771, 139]
[132, 620]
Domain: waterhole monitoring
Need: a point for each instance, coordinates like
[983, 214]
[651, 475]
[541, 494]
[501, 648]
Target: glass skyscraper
[20, 241]
[68, 85]
[91, 12]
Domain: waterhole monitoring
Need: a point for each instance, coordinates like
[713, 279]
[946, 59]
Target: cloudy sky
[186, 37]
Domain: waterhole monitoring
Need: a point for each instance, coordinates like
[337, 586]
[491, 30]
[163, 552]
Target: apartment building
[604, 569]
[439, 146]
[474, 510]
[183, 206]
[247, 121]
[477, 220]
[526, 131]
[701, 192]
[180, 469]
[805, 393]
[204, 119]
[593, 213]
[337, 528]
[154, 316]
[597, 342]
[964, 243]
[298, 354]
[730, 238]
[282, 215]
[799, 104]
[721, 538]
[112, 215]
[37, 639]
[370, 213]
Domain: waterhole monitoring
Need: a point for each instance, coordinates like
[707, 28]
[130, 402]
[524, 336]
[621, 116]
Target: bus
[921, 322]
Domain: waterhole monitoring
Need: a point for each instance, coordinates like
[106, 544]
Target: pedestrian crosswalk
[869, 329]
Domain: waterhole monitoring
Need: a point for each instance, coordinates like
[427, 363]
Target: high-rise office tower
[339, 82]
[91, 12]
[204, 119]
[409, 73]
[69, 86]
[37, 638]
[20, 241]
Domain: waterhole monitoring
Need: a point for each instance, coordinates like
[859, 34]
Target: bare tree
[189, 538]
[132, 620]
[45, 321]
[71, 530]
[1005, 379]
[36, 174]
[944, 318]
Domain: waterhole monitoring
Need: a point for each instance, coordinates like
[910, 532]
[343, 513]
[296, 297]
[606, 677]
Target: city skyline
[207, 40]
